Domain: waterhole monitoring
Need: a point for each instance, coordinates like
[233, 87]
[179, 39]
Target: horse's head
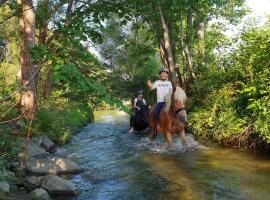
[177, 103]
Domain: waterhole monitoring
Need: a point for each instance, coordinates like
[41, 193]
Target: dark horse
[172, 118]
[140, 120]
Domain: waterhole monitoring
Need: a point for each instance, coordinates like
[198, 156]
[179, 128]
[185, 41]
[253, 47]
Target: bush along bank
[61, 119]
[226, 119]
[236, 109]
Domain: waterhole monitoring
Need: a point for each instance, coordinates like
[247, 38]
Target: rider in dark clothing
[139, 102]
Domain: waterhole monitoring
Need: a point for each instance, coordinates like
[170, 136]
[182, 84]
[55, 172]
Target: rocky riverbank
[37, 173]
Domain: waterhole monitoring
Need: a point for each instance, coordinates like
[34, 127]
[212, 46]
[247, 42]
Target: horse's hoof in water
[151, 138]
[185, 148]
[170, 149]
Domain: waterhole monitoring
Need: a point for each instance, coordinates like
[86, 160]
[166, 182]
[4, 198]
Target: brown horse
[172, 118]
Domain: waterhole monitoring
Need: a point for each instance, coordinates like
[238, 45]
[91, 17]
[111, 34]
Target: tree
[29, 71]
[166, 46]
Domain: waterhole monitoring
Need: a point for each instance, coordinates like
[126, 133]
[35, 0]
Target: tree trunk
[43, 23]
[162, 53]
[167, 46]
[48, 80]
[201, 29]
[162, 50]
[184, 60]
[48, 84]
[188, 46]
[29, 72]
[44, 82]
[190, 32]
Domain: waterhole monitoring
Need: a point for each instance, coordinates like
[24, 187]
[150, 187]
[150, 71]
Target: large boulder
[56, 185]
[40, 194]
[52, 166]
[4, 188]
[46, 143]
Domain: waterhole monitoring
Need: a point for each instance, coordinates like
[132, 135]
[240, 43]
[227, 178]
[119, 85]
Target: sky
[259, 7]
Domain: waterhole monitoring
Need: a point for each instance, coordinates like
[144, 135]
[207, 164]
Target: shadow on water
[129, 166]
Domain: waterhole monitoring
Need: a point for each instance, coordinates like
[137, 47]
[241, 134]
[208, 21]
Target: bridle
[179, 110]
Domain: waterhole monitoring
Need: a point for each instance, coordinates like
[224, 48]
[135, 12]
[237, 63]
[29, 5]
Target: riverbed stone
[52, 166]
[56, 185]
[45, 142]
[4, 188]
[40, 194]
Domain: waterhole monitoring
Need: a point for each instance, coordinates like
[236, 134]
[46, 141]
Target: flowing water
[124, 166]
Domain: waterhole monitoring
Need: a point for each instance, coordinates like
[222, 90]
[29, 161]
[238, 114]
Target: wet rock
[4, 188]
[40, 194]
[46, 143]
[52, 166]
[56, 185]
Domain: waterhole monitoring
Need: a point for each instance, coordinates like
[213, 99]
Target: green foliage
[59, 118]
[217, 119]
[254, 90]
[134, 62]
[8, 146]
[8, 70]
[239, 101]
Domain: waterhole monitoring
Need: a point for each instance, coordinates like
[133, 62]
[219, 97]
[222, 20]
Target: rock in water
[52, 166]
[56, 185]
[40, 194]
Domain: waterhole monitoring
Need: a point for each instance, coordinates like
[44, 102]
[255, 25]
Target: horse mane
[179, 94]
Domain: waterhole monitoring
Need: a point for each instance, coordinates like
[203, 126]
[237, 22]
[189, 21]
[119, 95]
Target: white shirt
[163, 87]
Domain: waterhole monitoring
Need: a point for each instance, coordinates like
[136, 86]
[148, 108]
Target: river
[124, 166]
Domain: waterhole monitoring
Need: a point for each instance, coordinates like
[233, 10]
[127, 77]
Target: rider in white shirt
[163, 86]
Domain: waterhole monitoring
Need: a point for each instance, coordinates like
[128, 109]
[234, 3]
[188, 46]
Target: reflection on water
[128, 166]
[110, 116]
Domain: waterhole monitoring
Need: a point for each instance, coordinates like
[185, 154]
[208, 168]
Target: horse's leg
[183, 139]
[151, 134]
[168, 136]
